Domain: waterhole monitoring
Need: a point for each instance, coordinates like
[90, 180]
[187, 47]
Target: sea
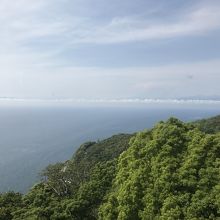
[35, 135]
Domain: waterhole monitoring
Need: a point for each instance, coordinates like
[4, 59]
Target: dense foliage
[9, 202]
[210, 126]
[169, 172]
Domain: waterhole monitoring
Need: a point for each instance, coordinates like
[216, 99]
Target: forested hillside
[211, 125]
[169, 172]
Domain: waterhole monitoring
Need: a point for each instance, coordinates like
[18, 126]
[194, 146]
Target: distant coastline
[127, 100]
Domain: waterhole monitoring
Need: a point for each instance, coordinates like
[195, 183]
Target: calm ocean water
[35, 136]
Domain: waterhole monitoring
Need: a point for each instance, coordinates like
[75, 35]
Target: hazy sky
[109, 49]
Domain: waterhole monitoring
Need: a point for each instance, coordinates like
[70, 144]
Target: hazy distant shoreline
[106, 101]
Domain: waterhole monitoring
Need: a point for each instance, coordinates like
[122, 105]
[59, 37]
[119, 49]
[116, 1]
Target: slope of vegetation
[210, 125]
[169, 172]
[70, 190]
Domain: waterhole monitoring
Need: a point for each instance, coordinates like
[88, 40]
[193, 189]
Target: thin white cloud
[29, 24]
[32, 36]
[25, 21]
[29, 27]
[150, 82]
[200, 20]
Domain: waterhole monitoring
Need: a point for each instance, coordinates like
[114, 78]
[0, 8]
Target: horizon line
[122, 101]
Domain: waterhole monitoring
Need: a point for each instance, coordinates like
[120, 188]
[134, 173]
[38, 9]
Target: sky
[98, 49]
